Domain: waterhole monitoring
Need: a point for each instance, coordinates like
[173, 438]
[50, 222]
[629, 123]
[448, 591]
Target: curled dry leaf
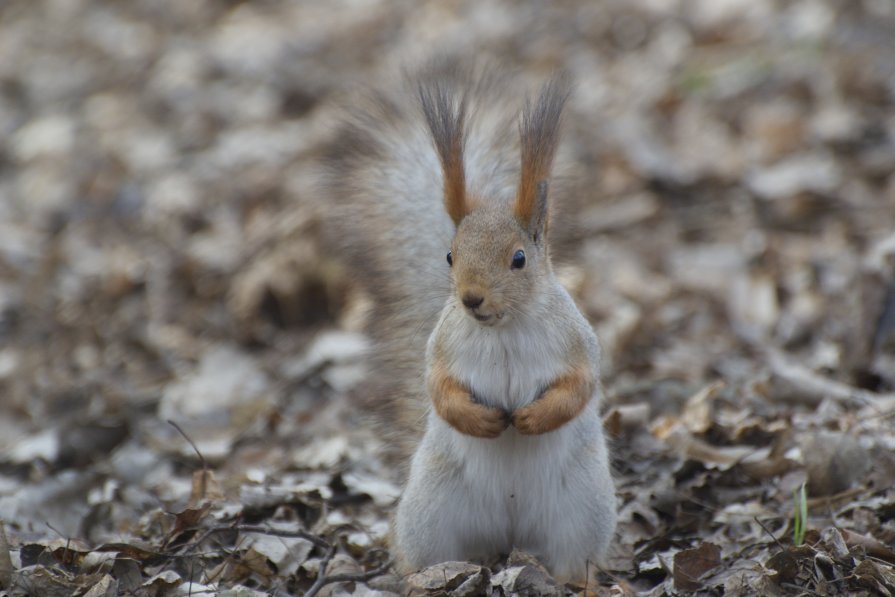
[698, 409]
[205, 488]
[873, 546]
[876, 577]
[443, 578]
[106, 587]
[286, 553]
[627, 418]
[692, 564]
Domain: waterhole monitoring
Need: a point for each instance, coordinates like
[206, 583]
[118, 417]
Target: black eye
[519, 259]
[450, 258]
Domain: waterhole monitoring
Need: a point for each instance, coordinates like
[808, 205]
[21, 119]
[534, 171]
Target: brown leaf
[872, 546]
[525, 573]
[205, 487]
[257, 563]
[189, 519]
[697, 415]
[526, 580]
[691, 564]
[835, 542]
[40, 580]
[786, 563]
[627, 418]
[879, 577]
[441, 577]
[106, 587]
[161, 584]
[133, 552]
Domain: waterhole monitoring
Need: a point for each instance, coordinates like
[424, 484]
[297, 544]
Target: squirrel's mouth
[488, 319]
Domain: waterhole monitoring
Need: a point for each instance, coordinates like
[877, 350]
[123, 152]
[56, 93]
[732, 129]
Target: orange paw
[455, 404]
[480, 421]
[535, 419]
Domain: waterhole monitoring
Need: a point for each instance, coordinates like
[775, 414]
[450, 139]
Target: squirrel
[438, 196]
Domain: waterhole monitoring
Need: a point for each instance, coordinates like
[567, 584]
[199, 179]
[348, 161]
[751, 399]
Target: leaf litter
[160, 259]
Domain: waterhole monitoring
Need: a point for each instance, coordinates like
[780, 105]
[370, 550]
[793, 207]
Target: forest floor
[180, 357]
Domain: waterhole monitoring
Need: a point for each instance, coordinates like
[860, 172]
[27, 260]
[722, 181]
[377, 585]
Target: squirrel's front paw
[456, 405]
[537, 418]
[480, 421]
[560, 403]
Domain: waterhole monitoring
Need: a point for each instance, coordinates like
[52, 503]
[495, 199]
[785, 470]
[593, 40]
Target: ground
[180, 359]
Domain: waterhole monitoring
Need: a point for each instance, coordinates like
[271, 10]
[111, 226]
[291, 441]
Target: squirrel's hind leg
[441, 517]
[569, 522]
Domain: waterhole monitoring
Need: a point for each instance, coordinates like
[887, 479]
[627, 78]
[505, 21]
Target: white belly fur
[550, 494]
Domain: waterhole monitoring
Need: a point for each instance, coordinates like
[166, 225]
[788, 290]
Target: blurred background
[160, 259]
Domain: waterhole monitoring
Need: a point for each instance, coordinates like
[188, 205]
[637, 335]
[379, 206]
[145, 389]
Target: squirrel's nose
[471, 301]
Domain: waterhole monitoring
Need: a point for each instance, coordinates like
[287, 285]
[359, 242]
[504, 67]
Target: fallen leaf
[697, 415]
[443, 577]
[188, 520]
[205, 488]
[106, 587]
[692, 564]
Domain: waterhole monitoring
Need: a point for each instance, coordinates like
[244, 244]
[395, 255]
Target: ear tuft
[446, 116]
[539, 136]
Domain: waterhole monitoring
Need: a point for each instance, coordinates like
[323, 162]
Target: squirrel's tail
[384, 195]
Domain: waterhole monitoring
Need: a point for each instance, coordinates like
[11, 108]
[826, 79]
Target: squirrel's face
[496, 266]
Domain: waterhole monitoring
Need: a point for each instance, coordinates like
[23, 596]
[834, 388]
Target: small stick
[187, 438]
[321, 572]
[817, 387]
[770, 534]
[323, 580]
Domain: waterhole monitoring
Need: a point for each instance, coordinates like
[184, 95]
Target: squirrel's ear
[446, 117]
[539, 136]
[537, 225]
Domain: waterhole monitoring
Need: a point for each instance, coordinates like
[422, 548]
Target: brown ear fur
[539, 136]
[446, 117]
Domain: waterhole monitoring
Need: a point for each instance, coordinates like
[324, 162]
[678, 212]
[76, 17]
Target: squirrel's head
[498, 258]
[497, 264]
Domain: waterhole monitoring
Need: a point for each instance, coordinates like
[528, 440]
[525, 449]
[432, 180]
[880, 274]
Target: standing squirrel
[486, 368]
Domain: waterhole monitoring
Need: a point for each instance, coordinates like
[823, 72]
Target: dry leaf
[205, 488]
[692, 564]
[697, 415]
[442, 577]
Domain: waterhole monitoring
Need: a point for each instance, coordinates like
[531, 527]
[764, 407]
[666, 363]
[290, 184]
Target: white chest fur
[509, 367]
[505, 367]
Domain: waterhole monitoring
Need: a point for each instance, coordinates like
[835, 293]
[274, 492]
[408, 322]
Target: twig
[321, 572]
[816, 387]
[66, 559]
[187, 438]
[322, 581]
[766, 530]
